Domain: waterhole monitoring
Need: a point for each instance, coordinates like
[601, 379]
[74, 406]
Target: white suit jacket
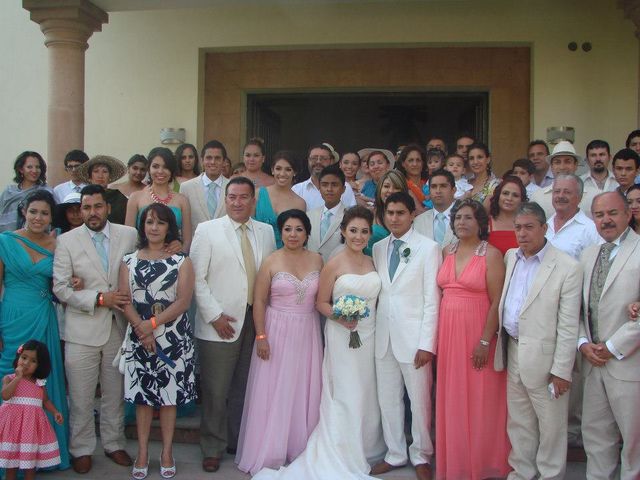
[325, 246]
[407, 316]
[423, 224]
[621, 288]
[221, 280]
[76, 255]
[194, 191]
[548, 322]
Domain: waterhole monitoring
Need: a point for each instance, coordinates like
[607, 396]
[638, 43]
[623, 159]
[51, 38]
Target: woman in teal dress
[27, 311]
[277, 198]
[391, 182]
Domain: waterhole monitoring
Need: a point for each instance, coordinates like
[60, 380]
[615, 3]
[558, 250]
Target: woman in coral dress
[471, 399]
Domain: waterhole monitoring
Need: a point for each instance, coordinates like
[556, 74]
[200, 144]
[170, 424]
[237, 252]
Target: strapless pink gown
[282, 403]
[471, 405]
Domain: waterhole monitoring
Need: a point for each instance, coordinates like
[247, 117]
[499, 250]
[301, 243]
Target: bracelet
[484, 343]
[100, 301]
[153, 323]
[261, 337]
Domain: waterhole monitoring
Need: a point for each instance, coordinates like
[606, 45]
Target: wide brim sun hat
[117, 169]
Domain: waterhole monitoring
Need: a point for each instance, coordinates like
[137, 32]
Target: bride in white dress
[348, 437]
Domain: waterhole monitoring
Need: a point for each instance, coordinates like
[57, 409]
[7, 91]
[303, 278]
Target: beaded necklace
[157, 199]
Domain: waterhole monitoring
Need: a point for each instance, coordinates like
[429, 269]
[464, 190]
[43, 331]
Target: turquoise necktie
[98, 241]
[395, 258]
[325, 224]
[439, 228]
[212, 200]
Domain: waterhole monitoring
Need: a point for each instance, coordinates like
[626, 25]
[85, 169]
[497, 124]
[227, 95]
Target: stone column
[632, 11]
[67, 25]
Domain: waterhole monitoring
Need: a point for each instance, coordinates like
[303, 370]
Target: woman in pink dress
[471, 398]
[282, 402]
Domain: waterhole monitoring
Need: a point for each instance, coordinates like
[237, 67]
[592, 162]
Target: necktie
[395, 258]
[600, 272]
[98, 241]
[439, 228]
[212, 199]
[325, 223]
[77, 189]
[249, 262]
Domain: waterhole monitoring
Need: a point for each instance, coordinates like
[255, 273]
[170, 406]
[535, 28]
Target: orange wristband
[153, 323]
[261, 337]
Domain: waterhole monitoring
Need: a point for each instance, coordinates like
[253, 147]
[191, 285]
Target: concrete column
[67, 26]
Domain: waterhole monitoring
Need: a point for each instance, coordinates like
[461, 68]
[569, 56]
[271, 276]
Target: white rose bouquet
[351, 308]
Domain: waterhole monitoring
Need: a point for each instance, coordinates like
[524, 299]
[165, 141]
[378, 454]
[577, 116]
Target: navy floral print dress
[166, 377]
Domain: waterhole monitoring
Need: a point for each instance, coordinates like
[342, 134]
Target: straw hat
[117, 169]
[365, 152]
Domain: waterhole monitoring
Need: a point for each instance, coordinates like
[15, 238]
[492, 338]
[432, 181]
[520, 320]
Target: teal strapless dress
[266, 214]
[27, 313]
[176, 211]
[377, 233]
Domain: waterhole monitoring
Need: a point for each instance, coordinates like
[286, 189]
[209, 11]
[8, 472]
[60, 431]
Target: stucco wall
[142, 70]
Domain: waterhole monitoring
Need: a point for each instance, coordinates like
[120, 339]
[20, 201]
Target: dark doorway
[350, 121]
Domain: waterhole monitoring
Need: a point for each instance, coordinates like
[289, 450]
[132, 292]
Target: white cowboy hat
[564, 148]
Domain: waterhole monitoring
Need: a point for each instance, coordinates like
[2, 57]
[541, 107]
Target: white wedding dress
[348, 437]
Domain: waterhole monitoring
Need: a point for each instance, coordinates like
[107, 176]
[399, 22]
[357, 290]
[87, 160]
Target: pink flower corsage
[20, 348]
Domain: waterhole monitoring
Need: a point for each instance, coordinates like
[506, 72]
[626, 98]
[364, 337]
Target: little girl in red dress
[27, 440]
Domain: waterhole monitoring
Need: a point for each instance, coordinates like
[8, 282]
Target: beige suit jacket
[423, 224]
[621, 288]
[221, 280]
[407, 316]
[548, 322]
[194, 191]
[325, 246]
[76, 255]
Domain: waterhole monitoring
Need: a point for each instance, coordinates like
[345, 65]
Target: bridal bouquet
[352, 309]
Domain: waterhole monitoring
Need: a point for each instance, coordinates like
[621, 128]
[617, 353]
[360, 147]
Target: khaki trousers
[224, 369]
[86, 365]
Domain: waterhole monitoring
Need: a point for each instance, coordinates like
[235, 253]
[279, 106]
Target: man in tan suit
[94, 326]
[226, 254]
[436, 223]
[610, 343]
[206, 192]
[325, 221]
[539, 315]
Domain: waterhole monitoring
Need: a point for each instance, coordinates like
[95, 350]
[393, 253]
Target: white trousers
[85, 365]
[392, 377]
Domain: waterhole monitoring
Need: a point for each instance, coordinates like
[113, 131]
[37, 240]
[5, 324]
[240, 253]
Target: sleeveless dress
[471, 405]
[348, 437]
[378, 232]
[26, 438]
[503, 240]
[149, 378]
[27, 312]
[266, 214]
[283, 393]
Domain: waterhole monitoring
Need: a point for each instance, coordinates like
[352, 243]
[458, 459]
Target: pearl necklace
[157, 199]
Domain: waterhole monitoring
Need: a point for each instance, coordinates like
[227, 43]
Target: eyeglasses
[318, 159]
[71, 168]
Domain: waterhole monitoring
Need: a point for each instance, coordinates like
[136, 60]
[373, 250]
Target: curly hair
[479, 213]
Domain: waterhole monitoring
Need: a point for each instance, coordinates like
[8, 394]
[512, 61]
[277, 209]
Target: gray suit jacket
[423, 224]
[194, 191]
[325, 246]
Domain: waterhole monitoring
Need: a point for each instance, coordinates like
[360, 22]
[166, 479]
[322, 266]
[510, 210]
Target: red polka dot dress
[27, 439]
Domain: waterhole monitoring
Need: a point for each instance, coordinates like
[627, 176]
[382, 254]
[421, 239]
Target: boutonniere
[405, 254]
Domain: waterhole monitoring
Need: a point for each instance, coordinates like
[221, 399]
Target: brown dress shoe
[81, 464]
[120, 457]
[383, 467]
[210, 464]
[423, 471]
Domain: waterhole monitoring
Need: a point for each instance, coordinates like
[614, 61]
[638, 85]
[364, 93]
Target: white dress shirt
[311, 195]
[614, 251]
[610, 183]
[547, 180]
[250, 234]
[206, 181]
[64, 189]
[574, 236]
[531, 188]
[524, 272]
[334, 212]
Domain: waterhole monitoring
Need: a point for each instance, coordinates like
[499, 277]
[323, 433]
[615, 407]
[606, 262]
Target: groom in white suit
[226, 254]
[406, 327]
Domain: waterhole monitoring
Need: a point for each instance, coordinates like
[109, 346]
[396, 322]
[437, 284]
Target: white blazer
[76, 255]
[548, 321]
[407, 316]
[221, 280]
[194, 191]
[423, 224]
[325, 246]
[621, 288]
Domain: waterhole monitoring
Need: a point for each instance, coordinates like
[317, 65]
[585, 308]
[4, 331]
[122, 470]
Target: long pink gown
[282, 403]
[471, 405]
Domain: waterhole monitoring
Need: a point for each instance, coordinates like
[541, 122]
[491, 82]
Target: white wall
[142, 69]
